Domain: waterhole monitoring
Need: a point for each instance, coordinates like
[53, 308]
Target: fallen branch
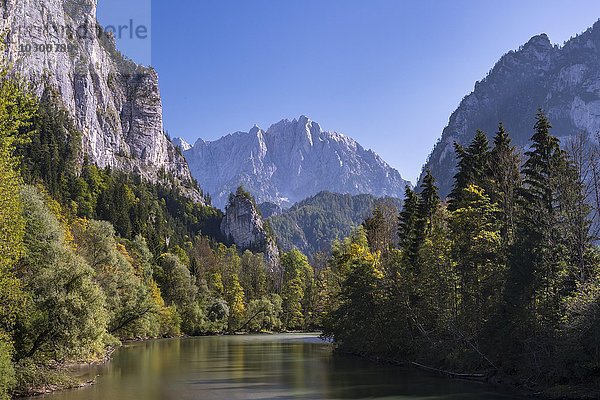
[479, 377]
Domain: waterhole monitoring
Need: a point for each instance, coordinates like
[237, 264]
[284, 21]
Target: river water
[288, 366]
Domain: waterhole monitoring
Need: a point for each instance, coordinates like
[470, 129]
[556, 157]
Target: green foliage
[313, 224]
[179, 289]
[358, 299]
[263, 315]
[52, 155]
[64, 317]
[90, 256]
[503, 281]
[31, 377]
[7, 371]
[505, 180]
[473, 165]
[298, 281]
[234, 295]
[408, 225]
[476, 250]
[159, 212]
[128, 297]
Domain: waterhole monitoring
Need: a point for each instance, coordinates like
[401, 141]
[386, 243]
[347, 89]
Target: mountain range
[289, 162]
[562, 80]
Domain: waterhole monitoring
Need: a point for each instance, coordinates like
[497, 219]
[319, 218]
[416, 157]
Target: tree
[429, 201]
[128, 297]
[179, 289]
[504, 182]
[529, 317]
[17, 107]
[53, 154]
[477, 253]
[380, 227]
[409, 223]
[234, 294]
[297, 282]
[578, 194]
[65, 316]
[263, 314]
[253, 275]
[472, 166]
[540, 251]
[354, 319]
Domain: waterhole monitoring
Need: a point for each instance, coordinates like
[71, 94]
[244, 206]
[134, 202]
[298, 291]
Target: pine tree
[472, 166]
[429, 201]
[538, 255]
[381, 229]
[407, 230]
[505, 181]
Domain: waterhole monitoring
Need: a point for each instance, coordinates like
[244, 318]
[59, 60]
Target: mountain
[289, 162]
[182, 144]
[314, 223]
[114, 102]
[563, 80]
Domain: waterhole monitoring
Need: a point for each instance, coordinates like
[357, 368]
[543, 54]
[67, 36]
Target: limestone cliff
[115, 103]
[563, 80]
[244, 226]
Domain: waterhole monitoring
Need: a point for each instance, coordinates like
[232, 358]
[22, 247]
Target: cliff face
[289, 162]
[115, 103]
[563, 81]
[244, 225]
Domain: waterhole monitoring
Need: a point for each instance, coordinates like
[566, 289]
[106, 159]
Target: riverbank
[498, 381]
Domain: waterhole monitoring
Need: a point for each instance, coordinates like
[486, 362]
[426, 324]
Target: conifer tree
[407, 230]
[505, 180]
[472, 166]
[538, 253]
[429, 201]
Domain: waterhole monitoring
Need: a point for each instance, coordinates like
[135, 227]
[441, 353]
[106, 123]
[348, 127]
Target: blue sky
[387, 72]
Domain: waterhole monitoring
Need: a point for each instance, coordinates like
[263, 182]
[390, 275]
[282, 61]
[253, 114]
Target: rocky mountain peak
[181, 143]
[288, 162]
[562, 80]
[243, 225]
[541, 41]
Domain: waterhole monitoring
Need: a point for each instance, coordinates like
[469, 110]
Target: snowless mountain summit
[562, 80]
[290, 161]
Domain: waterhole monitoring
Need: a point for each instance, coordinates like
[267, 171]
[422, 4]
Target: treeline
[90, 257]
[314, 223]
[502, 279]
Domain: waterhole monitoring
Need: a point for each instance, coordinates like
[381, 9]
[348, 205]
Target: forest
[91, 257]
[499, 282]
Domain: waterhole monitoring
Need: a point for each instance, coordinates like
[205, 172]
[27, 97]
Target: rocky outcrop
[115, 103]
[289, 162]
[563, 80]
[244, 226]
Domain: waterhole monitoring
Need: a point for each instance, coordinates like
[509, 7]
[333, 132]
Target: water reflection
[294, 366]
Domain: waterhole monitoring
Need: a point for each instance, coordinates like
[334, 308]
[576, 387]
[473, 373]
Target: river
[288, 366]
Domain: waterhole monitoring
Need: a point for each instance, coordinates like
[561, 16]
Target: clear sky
[386, 72]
